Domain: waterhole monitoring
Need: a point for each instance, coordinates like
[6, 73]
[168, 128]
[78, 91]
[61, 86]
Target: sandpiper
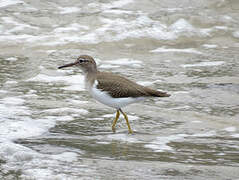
[112, 90]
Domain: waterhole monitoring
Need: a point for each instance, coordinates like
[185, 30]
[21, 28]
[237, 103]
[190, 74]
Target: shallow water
[50, 128]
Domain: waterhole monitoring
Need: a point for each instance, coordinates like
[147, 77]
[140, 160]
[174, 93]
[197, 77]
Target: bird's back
[120, 87]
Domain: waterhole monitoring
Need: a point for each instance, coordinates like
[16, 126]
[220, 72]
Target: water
[50, 128]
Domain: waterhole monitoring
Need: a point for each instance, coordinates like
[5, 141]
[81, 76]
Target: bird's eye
[81, 61]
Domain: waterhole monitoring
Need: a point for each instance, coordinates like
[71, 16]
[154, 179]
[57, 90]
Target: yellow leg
[127, 121]
[115, 121]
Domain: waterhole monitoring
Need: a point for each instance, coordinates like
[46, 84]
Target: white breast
[106, 99]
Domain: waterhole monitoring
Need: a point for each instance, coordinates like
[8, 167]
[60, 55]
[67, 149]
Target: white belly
[106, 99]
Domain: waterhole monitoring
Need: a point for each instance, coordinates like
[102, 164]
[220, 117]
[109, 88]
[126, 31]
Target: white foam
[236, 34]
[108, 115]
[173, 9]
[111, 30]
[181, 25]
[60, 118]
[13, 152]
[147, 83]
[116, 4]
[23, 38]
[39, 173]
[125, 61]
[11, 82]
[221, 27]
[78, 101]
[70, 79]
[230, 129]
[75, 87]
[75, 27]
[143, 26]
[203, 64]
[206, 134]
[121, 137]
[4, 3]
[66, 110]
[11, 59]
[117, 11]
[69, 10]
[108, 66]
[130, 117]
[24, 128]
[102, 142]
[196, 121]
[18, 26]
[210, 46]
[235, 135]
[188, 50]
[160, 144]
[181, 107]
[66, 156]
[181, 92]
[34, 165]
[13, 101]
[226, 18]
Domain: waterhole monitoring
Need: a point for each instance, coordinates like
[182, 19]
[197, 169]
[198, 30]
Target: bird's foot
[130, 131]
[113, 129]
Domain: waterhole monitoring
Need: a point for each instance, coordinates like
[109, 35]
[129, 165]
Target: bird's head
[84, 62]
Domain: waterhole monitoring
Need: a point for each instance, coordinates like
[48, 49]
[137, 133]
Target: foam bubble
[71, 28]
[206, 134]
[116, 4]
[66, 156]
[131, 117]
[235, 135]
[9, 3]
[108, 115]
[108, 66]
[23, 129]
[66, 110]
[74, 88]
[210, 46]
[160, 144]
[117, 11]
[11, 59]
[230, 129]
[69, 10]
[188, 50]
[147, 83]
[18, 26]
[60, 118]
[203, 64]
[121, 137]
[236, 34]
[221, 27]
[72, 79]
[181, 25]
[125, 61]
[13, 101]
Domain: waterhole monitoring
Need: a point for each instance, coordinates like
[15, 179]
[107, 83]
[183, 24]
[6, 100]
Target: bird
[111, 89]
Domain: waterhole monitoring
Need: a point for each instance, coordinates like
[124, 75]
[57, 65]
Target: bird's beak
[67, 65]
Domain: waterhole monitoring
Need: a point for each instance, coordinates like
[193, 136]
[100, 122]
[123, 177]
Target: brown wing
[120, 87]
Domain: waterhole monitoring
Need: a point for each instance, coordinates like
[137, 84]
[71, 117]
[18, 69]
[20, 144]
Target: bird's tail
[155, 93]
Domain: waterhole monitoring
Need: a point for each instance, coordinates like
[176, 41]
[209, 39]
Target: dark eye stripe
[81, 60]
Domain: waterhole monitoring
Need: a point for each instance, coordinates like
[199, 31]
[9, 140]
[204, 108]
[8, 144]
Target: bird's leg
[115, 121]
[127, 121]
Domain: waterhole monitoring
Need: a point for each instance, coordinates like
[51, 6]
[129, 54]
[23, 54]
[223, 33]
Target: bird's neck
[90, 77]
